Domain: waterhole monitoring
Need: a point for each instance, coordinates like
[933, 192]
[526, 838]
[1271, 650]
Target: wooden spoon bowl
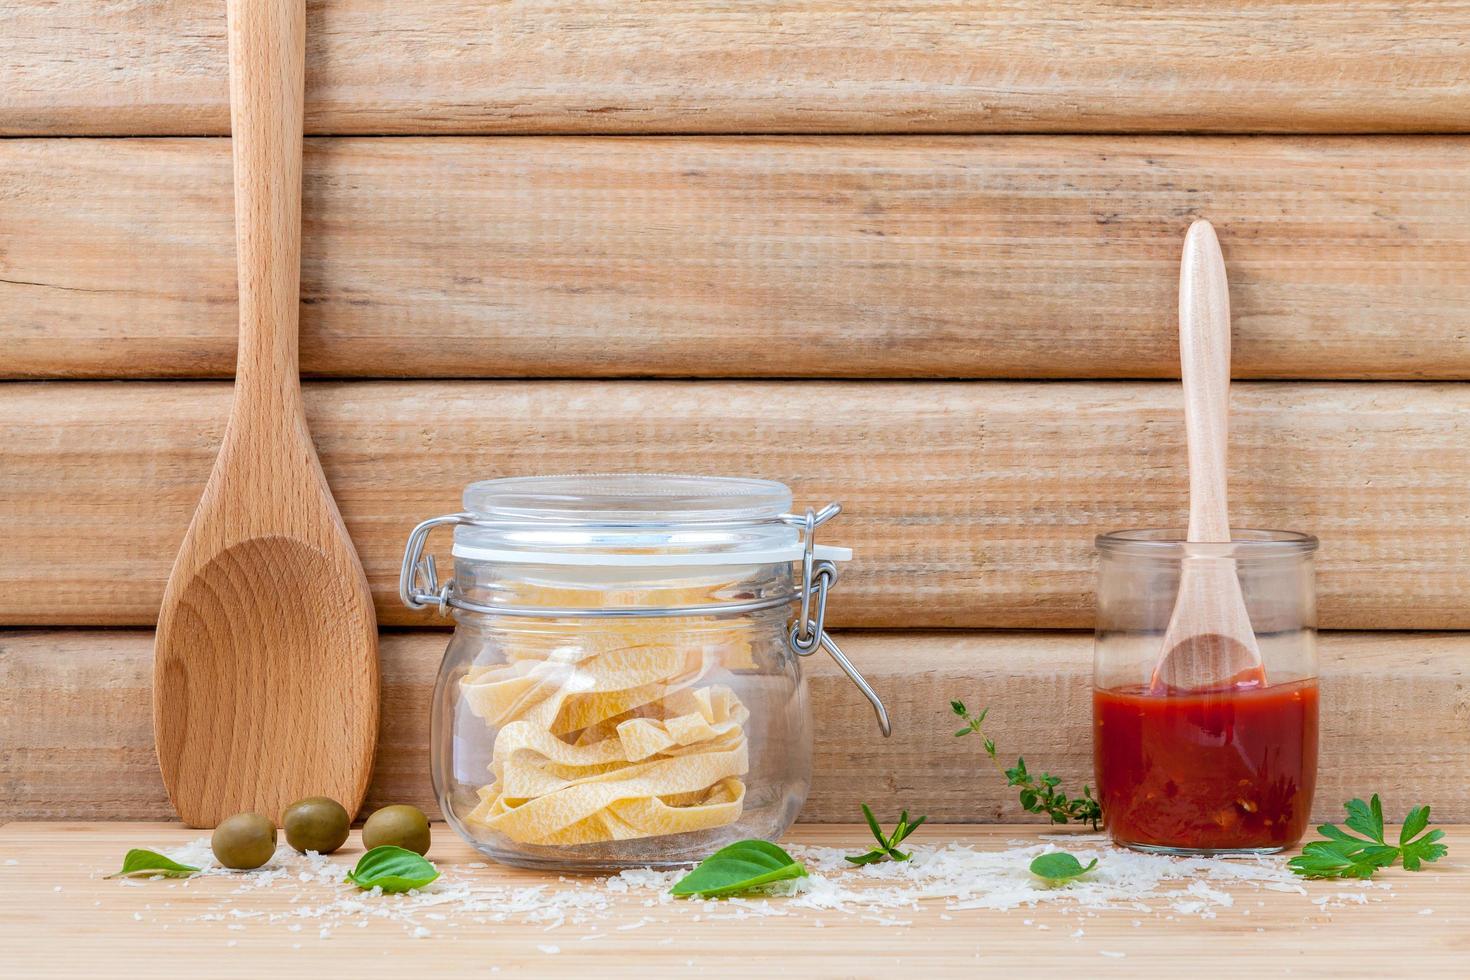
[254, 706]
[1208, 661]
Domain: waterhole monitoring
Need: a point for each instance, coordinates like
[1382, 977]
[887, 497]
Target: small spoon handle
[267, 81]
[1204, 358]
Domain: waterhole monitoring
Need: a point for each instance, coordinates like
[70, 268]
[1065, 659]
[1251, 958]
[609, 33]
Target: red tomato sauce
[1227, 769]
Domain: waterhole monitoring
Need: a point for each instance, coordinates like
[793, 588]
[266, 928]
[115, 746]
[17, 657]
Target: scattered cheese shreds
[309, 889]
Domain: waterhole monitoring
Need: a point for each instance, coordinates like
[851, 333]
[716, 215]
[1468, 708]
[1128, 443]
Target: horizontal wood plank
[739, 66]
[77, 723]
[880, 257]
[969, 504]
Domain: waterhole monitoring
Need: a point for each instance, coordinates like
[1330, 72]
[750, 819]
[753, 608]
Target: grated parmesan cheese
[955, 877]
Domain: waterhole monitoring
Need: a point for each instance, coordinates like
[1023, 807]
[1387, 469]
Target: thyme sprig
[1038, 794]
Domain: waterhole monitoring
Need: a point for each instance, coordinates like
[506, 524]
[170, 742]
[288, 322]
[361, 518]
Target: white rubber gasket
[770, 556]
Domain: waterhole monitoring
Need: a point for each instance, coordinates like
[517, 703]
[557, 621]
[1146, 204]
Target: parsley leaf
[1426, 848]
[1344, 856]
[1366, 818]
[1339, 859]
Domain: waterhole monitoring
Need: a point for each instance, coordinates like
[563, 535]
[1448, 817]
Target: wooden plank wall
[883, 257]
[721, 66]
[89, 691]
[919, 257]
[970, 504]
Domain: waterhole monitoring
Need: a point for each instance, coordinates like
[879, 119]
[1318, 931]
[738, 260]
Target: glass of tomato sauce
[1227, 763]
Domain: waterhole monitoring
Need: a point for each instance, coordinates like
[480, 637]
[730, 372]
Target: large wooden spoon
[1209, 642]
[266, 671]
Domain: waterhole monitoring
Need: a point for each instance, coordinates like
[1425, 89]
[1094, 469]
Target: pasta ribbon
[614, 731]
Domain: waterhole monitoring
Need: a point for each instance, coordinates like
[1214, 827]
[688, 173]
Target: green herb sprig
[393, 869]
[887, 848]
[1039, 794]
[140, 861]
[1059, 867]
[741, 867]
[1344, 856]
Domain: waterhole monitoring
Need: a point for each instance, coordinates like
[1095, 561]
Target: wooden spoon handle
[267, 81]
[1204, 357]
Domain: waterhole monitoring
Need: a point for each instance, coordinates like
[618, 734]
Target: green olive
[244, 841]
[317, 823]
[402, 826]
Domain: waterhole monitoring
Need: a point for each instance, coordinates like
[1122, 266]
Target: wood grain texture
[1204, 351]
[54, 898]
[75, 722]
[969, 504]
[882, 257]
[266, 595]
[542, 66]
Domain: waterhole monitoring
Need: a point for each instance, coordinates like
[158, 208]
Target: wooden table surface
[59, 916]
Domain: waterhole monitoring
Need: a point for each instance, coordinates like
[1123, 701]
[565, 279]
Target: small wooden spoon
[1209, 642]
[266, 671]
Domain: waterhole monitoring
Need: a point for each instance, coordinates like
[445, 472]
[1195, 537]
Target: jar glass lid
[634, 497]
[631, 519]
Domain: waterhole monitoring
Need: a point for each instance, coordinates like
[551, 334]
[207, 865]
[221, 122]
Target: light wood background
[970, 504]
[976, 256]
[717, 66]
[920, 258]
[89, 691]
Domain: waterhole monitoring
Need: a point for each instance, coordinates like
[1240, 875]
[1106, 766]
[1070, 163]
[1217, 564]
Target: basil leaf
[139, 861]
[1059, 867]
[740, 867]
[393, 869]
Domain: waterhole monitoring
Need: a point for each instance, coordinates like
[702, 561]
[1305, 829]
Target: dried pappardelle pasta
[624, 687]
[612, 730]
